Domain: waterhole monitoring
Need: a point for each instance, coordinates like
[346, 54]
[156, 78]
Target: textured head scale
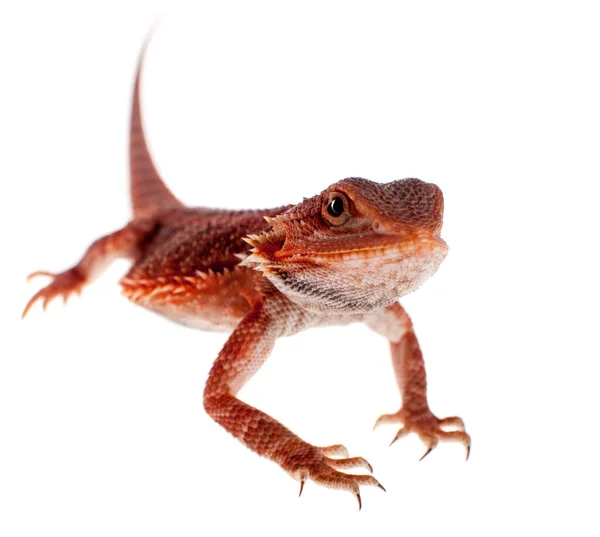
[356, 246]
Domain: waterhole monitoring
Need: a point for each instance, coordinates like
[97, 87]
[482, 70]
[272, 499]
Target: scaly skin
[343, 256]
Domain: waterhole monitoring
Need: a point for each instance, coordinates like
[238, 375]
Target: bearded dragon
[343, 256]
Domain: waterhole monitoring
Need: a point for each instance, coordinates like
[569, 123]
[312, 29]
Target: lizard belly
[205, 301]
[199, 320]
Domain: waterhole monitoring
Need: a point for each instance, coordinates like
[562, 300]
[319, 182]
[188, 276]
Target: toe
[350, 463]
[41, 273]
[31, 302]
[431, 441]
[457, 436]
[400, 434]
[453, 421]
[388, 418]
[47, 299]
[367, 480]
[337, 450]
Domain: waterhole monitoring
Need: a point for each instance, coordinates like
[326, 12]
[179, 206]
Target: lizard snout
[412, 204]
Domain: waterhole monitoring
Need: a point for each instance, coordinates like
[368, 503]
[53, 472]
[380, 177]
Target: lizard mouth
[404, 249]
[381, 247]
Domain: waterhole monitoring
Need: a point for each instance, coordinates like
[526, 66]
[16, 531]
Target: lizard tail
[149, 194]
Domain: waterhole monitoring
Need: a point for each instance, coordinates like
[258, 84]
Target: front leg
[415, 416]
[243, 354]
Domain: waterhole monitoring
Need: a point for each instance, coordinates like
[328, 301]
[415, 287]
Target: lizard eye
[336, 206]
[336, 210]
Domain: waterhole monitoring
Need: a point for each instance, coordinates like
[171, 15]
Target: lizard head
[355, 247]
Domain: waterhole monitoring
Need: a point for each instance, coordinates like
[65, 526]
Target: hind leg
[122, 243]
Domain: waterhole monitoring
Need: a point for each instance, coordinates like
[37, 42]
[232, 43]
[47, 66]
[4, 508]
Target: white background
[102, 430]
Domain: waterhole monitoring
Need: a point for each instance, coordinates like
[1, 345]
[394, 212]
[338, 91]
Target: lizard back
[189, 269]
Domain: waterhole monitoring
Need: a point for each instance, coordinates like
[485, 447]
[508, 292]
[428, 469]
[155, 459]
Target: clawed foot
[428, 427]
[322, 465]
[63, 284]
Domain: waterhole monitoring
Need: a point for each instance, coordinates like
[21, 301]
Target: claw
[382, 487]
[402, 432]
[303, 479]
[426, 453]
[468, 452]
[359, 501]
